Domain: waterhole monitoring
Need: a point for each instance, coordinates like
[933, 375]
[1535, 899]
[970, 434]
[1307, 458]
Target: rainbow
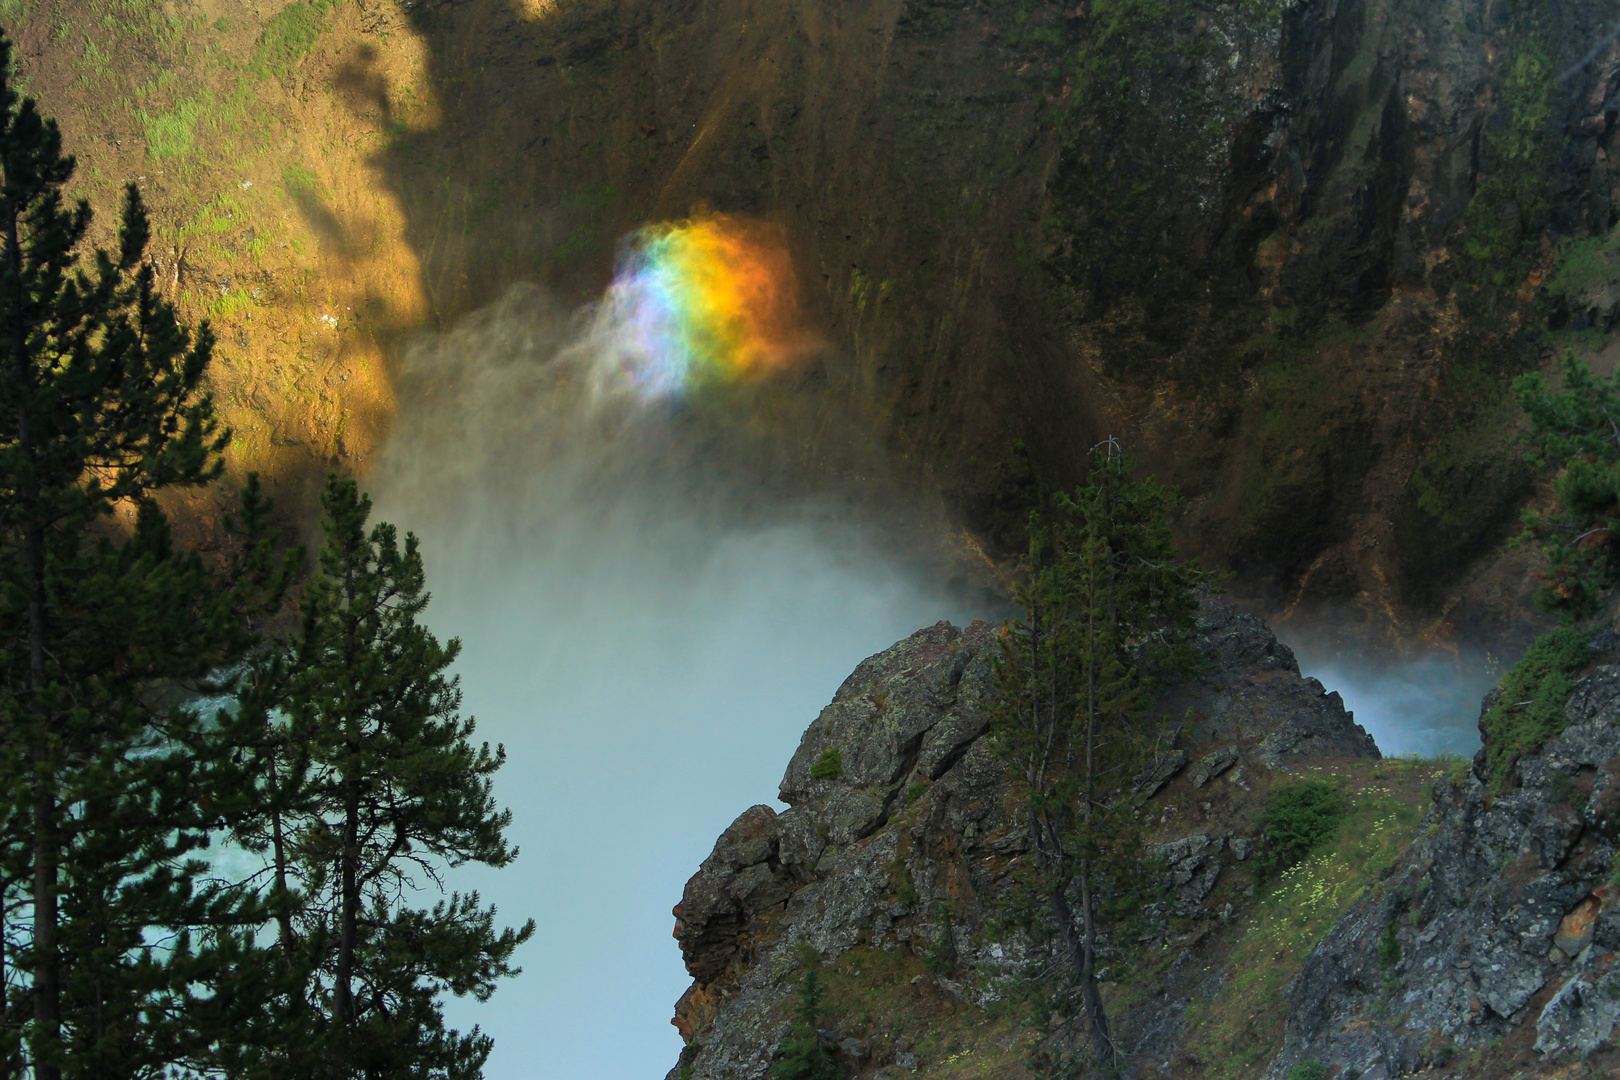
[702, 301]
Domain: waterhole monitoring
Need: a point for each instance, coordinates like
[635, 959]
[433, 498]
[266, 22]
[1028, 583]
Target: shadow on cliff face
[902, 166]
[1018, 225]
[648, 630]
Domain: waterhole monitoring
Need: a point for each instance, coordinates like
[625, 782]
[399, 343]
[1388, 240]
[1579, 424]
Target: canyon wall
[1290, 252]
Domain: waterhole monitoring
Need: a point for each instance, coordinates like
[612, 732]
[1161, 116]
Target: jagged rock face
[1501, 923]
[921, 814]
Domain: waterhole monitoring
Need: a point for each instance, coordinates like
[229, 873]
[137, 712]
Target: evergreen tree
[1577, 430]
[116, 939]
[801, 1055]
[369, 783]
[1107, 606]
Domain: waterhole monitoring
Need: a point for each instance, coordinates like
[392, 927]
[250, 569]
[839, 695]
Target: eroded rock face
[1504, 914]
[921, 814]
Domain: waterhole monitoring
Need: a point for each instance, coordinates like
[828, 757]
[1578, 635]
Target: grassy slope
[1234, 970]
[1233, 1034]
[246, 136]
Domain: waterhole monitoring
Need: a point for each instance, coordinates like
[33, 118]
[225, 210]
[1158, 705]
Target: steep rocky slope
[893, 873]
[1456, 929]
[1292, 249]
[1490, 948]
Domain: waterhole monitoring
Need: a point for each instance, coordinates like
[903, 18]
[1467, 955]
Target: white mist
[1426, 704]
[646, 634]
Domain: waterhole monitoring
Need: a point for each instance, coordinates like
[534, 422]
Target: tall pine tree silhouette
[1108, 605]
[114, 938]
[377, 788]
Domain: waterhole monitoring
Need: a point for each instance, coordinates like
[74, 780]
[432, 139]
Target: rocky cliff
[1457, 928]
[892, 874]
[1492, 946]
[1293, 249]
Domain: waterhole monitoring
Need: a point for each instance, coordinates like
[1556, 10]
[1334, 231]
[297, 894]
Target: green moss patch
[829, 766]
[1531, 708]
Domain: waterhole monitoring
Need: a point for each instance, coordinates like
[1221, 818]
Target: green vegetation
[102, 409]
[1389, 947]
[917, 791]
[1299, 819]
[1531, 708]
[1310, 1069]
[801, 1055]
[1505, 217]
[230, 305]
[1510, 203]
[1107, 605]
[905, 886]
[288, 36]
[874, 994]
[1239, 1031]
[829, 766]
[1576, 432]
[372, 782]
[341, 770]
[1294, 404]
[1585, 262]
[171, 133]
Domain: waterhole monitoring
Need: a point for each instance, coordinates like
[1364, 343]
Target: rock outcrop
[900, 837]
[1498, 930]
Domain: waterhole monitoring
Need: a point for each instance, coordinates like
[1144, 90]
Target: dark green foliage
[801, 1055]
[1389, 948]
[1576, 431]
[905, 886]
[1108, 607]
[370, 785]
[1519, 153]
[917, 791]
[829, 766]
[113, 787]
[1308, 1070]
[342, 761]
[941, 958]
[1299, 819]
[1531, 707]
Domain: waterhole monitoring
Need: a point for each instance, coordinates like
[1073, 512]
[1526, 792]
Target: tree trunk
[279, 843]
[47, 963]
[343, 997]
[47, 989]
[1102, 1039]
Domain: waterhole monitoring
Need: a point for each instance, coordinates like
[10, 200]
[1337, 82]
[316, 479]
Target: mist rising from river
[653, 608]
[1424, 703]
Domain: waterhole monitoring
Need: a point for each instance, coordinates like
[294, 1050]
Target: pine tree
[1107, 606]
[369, 784]
[801, 1055]
[115, 939]
[1577, 430]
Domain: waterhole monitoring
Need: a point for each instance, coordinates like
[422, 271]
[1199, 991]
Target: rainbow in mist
[702, 301]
